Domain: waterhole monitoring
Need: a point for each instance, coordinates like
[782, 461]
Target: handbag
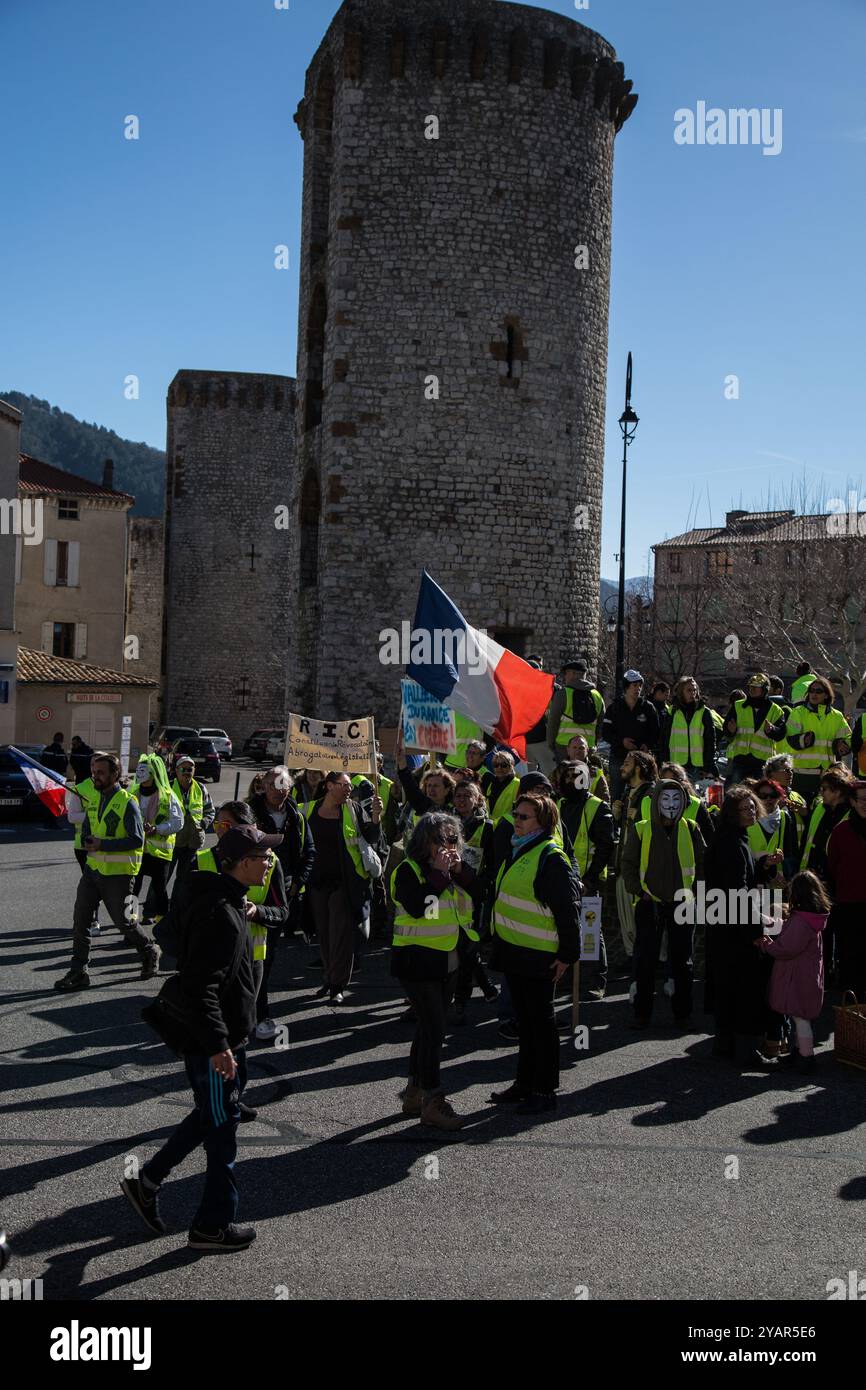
[369, 858]
[170, 1016]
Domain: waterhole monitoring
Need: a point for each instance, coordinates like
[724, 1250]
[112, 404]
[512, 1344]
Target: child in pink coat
[797, 982]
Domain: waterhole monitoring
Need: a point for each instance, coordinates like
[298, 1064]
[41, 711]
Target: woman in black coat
[736, 982]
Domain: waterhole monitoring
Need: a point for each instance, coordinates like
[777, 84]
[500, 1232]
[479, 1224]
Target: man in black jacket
[631, 724]
[219, 997]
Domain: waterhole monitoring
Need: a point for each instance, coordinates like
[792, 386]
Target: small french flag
[469, 672]
[50, 788]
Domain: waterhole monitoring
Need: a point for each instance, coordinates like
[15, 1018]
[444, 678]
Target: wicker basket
[850, 1032]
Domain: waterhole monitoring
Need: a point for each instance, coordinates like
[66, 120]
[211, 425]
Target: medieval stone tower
[452, 341]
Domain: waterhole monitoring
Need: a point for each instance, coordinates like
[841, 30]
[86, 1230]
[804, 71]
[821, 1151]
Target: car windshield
[201, 746]
[213, 733]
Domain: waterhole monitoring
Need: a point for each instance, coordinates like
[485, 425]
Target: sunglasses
[447, 840]
[521, 815]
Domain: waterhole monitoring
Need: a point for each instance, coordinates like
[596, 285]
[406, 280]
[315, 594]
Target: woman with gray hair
[432, 906]
[780, 768]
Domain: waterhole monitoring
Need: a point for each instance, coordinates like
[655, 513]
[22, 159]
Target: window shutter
[50, 570]
[48, 638]
[72, 564]
[80, 641]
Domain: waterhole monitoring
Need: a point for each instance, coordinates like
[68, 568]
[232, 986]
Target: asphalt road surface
[664, 1174]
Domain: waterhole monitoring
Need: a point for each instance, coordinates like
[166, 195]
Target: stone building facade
[451, 374]
[452, 356]
[145, 572]
[229, 450]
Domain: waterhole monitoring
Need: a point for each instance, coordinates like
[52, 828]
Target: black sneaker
[509, 1030]
[491, 994]
[75, 979]
[323, 992]
[145, 1202]
[229, 1239]
[248, 1114]
[537, 1105]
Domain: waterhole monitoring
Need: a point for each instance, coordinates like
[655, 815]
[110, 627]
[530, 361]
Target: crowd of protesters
[475, 871]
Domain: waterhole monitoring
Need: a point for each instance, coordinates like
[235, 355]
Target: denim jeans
[213, 1124]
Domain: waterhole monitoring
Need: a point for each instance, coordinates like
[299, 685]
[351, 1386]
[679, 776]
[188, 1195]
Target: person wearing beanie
[631, 724]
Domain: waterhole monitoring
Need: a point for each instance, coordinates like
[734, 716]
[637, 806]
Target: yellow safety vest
[350, 835]
[466, 733]
[107, 827]
[505, 801]
[584, 849]
[205, 861]
[453, 914]
[258, 931]
[518, 917]
[195, 804]
[751, 741]
[568, 726]
[686, 742]
[814, 822]
[88, 793]
[827, 724]
[685, 853]
[758, 842]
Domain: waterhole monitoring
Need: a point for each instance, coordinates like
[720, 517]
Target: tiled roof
[799, 528]
[43, 479]
[39, 668]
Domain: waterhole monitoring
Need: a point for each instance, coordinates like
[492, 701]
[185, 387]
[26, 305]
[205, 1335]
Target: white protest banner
[125, 743]
[590, 929]
[428, 725]
[346, 746]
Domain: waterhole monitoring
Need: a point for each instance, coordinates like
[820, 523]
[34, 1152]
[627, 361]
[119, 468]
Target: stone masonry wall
[452, 257]
[229, 451]
[145, 569]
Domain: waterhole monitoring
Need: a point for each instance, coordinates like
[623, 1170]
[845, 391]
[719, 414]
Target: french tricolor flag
[50, 788]
[470, 673]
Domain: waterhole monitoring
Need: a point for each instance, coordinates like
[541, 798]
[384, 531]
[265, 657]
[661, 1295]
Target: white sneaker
[266, 1029]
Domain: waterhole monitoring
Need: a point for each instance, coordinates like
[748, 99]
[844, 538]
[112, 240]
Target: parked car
[220, 740]
[168, 736]
[208, 763]
[276, 748]
[256, 745]
[17, 799]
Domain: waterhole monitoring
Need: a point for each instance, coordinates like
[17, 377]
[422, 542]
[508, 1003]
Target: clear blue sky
[143, 257]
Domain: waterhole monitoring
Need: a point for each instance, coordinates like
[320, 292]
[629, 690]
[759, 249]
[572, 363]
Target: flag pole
[48, 771]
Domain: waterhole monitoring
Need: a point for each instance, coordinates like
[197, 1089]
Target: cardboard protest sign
[428, 725]
[346, 746]
[590, 929]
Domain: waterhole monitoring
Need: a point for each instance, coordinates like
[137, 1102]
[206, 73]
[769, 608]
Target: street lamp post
[628, 423]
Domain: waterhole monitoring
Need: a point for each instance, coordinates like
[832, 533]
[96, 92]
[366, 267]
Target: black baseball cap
[575, 663]
[242, 841]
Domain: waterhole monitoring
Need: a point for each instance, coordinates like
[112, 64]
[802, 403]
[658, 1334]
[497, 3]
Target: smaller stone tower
[229, 452]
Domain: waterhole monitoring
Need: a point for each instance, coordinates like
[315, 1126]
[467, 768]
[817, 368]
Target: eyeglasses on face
[447, 840]
[521, 815]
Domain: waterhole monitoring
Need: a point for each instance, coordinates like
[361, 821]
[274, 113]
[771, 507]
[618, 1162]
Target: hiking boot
[146, 1202]
[150, 962]
[224, 1242]
[437, 1112]
[412, 1101]
[75, 979]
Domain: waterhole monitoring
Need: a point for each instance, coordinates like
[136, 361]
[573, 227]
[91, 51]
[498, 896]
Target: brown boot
[437, 1112]
[413, 1100]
